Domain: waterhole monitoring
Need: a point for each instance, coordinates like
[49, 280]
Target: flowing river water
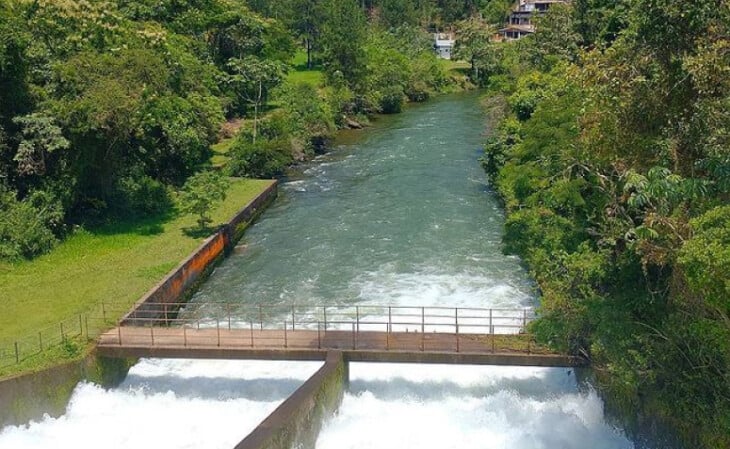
[399, 215]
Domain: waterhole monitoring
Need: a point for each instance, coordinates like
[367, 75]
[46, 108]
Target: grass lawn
[115, 264]
[301, 74]
[220, 152]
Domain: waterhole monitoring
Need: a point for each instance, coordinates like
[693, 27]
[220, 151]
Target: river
[398, 215]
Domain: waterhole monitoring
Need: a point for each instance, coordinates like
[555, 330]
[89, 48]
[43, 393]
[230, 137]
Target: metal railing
[230, 315]
[233, 325]
[331, 317]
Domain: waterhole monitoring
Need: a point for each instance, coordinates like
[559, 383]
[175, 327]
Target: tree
[306, 20]
[200, 193]
[474, 44]
[40, 137]
[251, 79]
[343, 35]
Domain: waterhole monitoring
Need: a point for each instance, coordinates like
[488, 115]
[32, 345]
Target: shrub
[25, 226]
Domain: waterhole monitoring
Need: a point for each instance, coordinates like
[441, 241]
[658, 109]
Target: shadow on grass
[146, 226]
[197, 232]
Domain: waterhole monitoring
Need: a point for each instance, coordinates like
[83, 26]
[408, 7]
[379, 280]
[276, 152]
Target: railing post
[524, 320]
[293, 319]
[491, 327]
[17, 353]
[319, 336]
[152, 334]
[86, 321]
[456, 319]
[119, 334]
[40, 340]
[218, 329]
[81, 326]
[354, 340]
[185, 336]
[261, 317]
[228, 312]
[390, 319]
[286, 342]
[324, 309]
[357, 318]
[387, 336]
[252, 333]
[423, 328]
[423, 320]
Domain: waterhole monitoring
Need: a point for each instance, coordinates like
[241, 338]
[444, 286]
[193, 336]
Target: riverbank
[115, 264]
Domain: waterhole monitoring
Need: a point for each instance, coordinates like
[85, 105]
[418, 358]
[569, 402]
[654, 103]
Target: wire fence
[88, 325]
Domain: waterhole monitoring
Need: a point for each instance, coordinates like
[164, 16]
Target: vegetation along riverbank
[611, 153]
[108, 108]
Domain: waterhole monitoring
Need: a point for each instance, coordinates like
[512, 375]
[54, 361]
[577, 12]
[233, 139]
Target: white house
[443, 44]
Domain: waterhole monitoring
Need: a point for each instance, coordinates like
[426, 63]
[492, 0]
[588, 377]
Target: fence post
[261, 317]
[456, 319]
[286, 340]
[423, 327]
[228, 312]
[354, 340]
[387, 336]
[390, 319]
[524, 319]
[63, 337]
[17, 353]
[319, 336]
[491, 327]
[423, 320]
[357, 318]
[293, 320]
[86, 320]
[119, 333]
[251, 333]
[218, 329]
[325, 318]
[152, 334]
[40, 340]
[81, 326]
[185, 336]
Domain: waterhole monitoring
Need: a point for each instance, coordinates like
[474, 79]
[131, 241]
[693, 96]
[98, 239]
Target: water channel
[397, 215]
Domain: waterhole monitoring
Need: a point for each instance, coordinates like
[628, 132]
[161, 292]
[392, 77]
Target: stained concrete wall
[187, 276]
[297, 421]
[29, 396]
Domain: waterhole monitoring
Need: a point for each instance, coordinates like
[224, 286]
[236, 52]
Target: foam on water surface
[167, 404]
[464, 407]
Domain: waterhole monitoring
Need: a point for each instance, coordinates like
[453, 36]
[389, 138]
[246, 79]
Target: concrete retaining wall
[30, 396]
[297, 421]
[182, 280]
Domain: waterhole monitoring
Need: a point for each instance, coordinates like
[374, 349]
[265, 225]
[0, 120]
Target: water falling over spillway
[399, 216]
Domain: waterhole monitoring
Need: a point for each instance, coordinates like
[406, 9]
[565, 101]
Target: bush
[200, 193]
[141, 196]
[264, 159]
[26, 226]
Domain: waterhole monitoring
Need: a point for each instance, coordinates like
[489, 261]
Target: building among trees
[521, 21]
[443, 44]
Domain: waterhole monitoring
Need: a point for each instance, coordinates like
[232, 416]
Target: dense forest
[610, 146]
[611, 152]
[107, 107]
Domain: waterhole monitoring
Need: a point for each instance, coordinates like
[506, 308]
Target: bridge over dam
[336, 335]
[395, 334]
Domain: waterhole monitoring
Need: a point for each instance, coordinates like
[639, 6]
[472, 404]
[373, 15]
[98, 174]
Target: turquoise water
[402, 216]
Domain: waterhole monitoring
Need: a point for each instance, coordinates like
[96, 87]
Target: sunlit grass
[116, 264]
